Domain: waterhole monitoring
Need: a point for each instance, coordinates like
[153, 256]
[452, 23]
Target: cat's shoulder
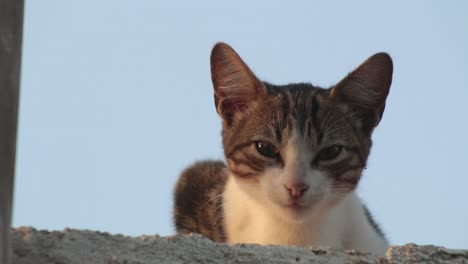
[203, 173]
[198, 199]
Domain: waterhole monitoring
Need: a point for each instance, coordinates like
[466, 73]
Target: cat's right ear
[236, 88]
[366, 88]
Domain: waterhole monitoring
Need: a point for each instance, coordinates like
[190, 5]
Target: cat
[294, 156]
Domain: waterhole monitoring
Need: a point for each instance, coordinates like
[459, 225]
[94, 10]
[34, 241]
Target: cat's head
[297, 148]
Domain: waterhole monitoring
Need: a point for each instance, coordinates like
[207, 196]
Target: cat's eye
[267, 149]
[329, 153]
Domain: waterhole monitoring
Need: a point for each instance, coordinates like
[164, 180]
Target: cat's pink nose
[296, 190]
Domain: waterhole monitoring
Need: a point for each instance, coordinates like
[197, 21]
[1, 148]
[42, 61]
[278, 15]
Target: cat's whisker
[212, 199]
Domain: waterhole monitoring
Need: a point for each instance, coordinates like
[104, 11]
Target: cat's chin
[296, 212]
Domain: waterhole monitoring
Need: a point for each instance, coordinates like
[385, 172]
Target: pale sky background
[116, 100]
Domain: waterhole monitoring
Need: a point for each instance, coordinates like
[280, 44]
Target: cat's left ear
[366, 88]
[236, 88]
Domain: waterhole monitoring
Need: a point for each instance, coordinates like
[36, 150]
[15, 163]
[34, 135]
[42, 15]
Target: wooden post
[11, 33]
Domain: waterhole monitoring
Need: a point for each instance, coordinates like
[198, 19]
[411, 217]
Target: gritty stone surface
[31, 246]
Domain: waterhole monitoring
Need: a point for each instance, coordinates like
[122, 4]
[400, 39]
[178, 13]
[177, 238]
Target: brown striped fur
[252, 110]
[198, 200]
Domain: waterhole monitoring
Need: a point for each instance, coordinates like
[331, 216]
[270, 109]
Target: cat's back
[198, 199]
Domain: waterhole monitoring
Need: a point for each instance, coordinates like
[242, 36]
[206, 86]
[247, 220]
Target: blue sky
[116, 100]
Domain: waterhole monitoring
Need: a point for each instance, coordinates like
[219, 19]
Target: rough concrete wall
[75, 246]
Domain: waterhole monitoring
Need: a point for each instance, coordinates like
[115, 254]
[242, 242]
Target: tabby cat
[294, 156]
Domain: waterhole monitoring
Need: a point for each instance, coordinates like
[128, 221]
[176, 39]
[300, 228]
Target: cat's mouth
[300, 207]
[295, 206]
[295, 211]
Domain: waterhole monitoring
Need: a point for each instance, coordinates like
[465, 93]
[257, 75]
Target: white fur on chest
[344, 226]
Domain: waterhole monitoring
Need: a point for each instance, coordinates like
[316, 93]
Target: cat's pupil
[329, 153]
[267, 149]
